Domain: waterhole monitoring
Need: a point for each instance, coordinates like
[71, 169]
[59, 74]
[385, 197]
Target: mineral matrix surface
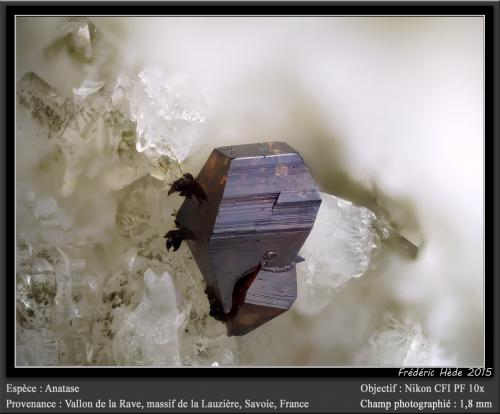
[261, 204]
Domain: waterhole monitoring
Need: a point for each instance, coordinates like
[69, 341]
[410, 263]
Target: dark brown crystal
[260, 205]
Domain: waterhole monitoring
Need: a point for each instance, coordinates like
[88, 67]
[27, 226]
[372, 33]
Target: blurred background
[386, 111]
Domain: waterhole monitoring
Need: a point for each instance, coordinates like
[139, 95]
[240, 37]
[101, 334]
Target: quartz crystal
[36, 291]
[149, 334]
[401, 344]
[43, 103]
[342, 245]
[341, 242]
[88, 87]
[339, 248]
[140, 207]
[96, 133]
[167, 114]
[203, 340]
[121, 132]
[78, 36]
[119, 293]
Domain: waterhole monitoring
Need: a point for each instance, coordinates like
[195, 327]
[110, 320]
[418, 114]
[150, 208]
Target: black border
[487, 9]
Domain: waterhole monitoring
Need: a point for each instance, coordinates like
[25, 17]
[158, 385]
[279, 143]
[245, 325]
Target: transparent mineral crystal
[141, 207]
[42, 283]
[130, 164]
[71, 125]
[81, 34]
[92, 51]
[149, 334]
[60, 262]
[391, 235]
[118, 294]
[77, 35]
[400, 344]
[97, 133]
[167, 114]
[341, 242]
[203, 340]
[338, 248]
[44, 103]
[88, 87]
[82, 126]
[79, 309]
[35, 294]
[86, 142]
[73, 312]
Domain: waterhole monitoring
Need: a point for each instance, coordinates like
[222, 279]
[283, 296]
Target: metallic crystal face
[261, 203]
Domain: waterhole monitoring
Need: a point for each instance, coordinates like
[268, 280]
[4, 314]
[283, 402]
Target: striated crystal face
[259, 205]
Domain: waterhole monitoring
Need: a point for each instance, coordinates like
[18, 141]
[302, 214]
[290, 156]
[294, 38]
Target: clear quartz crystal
[149, 334]
[60, 262]
[78, 35]
[338, 248]
[400, 344]
[77, 338]
[44, 103]
[203, 339]
[35, 294]
[88, 87]
[79, 309]
[82, 141]
[121, 136]
[141, 206]
[72, 125]
[167, 114]
[95, 133]
[83, 124]
[119, 293]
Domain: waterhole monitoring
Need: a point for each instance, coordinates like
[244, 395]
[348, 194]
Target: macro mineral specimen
[253, 209]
